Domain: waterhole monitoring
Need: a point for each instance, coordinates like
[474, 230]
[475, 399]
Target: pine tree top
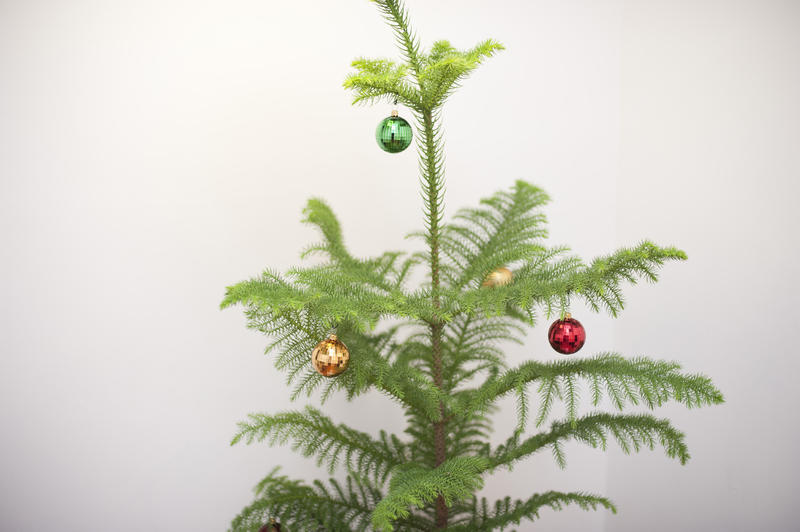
[436, 348]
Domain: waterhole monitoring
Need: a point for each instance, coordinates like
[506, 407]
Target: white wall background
[153, 152]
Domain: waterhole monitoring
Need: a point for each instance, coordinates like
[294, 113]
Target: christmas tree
[434, 349]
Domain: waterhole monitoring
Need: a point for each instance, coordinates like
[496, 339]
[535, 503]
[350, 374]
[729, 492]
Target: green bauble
[393, 134]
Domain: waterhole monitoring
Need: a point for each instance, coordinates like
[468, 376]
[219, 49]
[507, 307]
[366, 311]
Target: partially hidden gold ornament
[499, 277]
[330, 357]
[272, 526]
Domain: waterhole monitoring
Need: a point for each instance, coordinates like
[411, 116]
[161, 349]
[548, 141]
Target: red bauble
[567, 336]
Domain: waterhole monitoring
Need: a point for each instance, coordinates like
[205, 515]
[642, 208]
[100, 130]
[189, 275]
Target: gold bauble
[272, 526]
[499, 277]
[330, 357]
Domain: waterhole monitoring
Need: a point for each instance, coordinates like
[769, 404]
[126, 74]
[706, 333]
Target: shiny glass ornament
[393, 134]
[272, 526]
[330, 357]
[567, 336]
[499, 277]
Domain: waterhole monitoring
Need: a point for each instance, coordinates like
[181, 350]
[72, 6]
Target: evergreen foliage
[438, 354]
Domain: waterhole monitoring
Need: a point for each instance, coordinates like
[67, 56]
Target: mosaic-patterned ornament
[393, 134]
[330, 357]
[272, 526]
[567, 336]
[499, 277]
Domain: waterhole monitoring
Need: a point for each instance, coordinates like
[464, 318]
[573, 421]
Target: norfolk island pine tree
[437, 355]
